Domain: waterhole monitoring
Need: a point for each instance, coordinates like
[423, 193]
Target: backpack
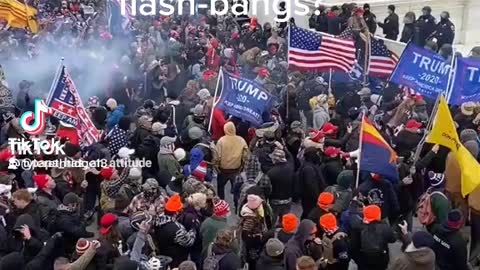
[212, 261]
[327, 246]
[424, 208]
[370, 242]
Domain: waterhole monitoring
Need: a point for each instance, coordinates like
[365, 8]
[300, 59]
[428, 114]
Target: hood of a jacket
[229, 129]
[304, 230]
[26, 219]
[424, 256]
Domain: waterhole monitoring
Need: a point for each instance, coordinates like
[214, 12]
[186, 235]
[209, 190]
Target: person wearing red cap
[172, 237]
[109, 242]
[325, 202]
[408, 138]
[334, 245]
[374, 237]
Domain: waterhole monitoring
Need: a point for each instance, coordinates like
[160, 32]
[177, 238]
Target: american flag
[382, 60]
[310, 51]
[117, 17]
[68, 107]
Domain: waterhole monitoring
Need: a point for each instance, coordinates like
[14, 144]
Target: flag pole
[359, 153]
[55, 80]
[451, 78]
[214, 104]
[427, 129]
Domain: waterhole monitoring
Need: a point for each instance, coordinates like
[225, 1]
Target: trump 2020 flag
[376, 155]
[467, 81]
[245, 99]
[422, 70]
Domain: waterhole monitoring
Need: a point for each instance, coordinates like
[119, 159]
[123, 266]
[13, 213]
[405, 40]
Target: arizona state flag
[376, 155]
[444, 133]
[19, 15]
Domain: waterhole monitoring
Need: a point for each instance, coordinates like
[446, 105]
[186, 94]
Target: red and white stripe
[334, 53]
[382, 65]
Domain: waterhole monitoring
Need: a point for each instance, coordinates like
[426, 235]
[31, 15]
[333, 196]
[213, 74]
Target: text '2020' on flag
[310, 51]
[245, 99]
[67, 106]
[376, 155]
[423, 71]
[444, 133]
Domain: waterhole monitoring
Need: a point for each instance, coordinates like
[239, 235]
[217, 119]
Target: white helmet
[154, 264]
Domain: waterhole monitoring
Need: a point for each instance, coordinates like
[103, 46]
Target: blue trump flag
[467, 81]
[245, 99]
[422, 70]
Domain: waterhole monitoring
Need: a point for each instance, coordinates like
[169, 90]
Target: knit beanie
[372, 213]
[254, 201]
[71, 198]
[455, 219]
[325, 200]
[345, 179]
[436, 179]
[274, 247]
[221, 209]
[468, 135]
[174, 205]
[82, 246]
[93, 102]
[422, 239]
[329, 223]
[40, 180]
[290, 223]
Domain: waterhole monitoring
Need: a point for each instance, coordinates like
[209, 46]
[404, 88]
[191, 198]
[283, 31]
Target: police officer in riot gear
[445, 31]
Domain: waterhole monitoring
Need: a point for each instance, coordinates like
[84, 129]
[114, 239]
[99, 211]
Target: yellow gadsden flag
[444, 133]
[19, 15]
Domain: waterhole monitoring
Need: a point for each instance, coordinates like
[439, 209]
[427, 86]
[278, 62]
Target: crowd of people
[159, 104]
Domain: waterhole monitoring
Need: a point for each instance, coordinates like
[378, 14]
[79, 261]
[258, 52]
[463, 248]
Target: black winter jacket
[450, 248]
[282, 178]
[268, 263]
